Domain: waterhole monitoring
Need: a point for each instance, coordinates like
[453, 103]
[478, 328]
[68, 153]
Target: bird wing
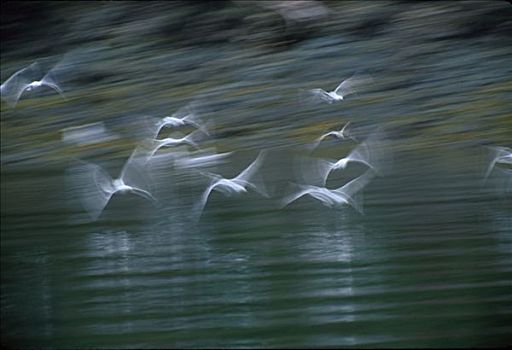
[314, 171]
[352, 85]
[134, 172]
[496, 153]
[12, 89]
[251, 169]
[92, 185]
[199, 207]
[342, 130]
[361, 154]
[50, 81]
[194, 137]
[151, 126]
[256, 183]
[373, 152]
[352, 188]
[321, 94]
[144, 194]
[294, 196]
[194, 119]
[317, 142]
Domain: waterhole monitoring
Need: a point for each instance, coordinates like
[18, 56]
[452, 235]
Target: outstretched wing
[143, 194]
[361, 154]
[317, 142]
[12, 89]
[135, 172]
[322, 94]
[352, 188]
[294, 196]
[199, 207]
[258, 185]
[374, 153]
[194, 119]
[51, 82]
[498, 154]
[314, 171]
[353, 84]
[92, 185]
[251, 169]
[194, 137]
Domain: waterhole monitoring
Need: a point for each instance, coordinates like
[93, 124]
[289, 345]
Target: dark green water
[429, 264]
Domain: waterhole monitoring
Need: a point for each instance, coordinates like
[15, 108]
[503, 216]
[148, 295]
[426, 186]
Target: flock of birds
[98, 187]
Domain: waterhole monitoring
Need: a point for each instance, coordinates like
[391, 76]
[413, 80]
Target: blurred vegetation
[442, 71]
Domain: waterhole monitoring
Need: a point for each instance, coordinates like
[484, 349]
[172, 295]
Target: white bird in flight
[190, 117]
[501, 155]
[345, 88]
[342, 134]
[156, 144]
[236, 185]
[23, 80]
[96, 187]
[372, 153]
[337, 198]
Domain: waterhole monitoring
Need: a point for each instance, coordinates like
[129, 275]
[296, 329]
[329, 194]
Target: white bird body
[169, 141]
[501, 155]
[189, 117]
[236, 185]
[336, 198]
[14, 87]
[356, 156]
[341, 134]
[96, 187]
[344, 89]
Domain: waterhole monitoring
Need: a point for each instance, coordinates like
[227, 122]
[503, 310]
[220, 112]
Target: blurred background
[429, 264]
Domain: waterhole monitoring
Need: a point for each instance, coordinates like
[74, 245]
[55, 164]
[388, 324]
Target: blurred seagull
[344, 89]
[501, 155]
[190, 118]
[342, 134]
[189, 139]
[97, 187]
[22, 80]
[235, 185]
[370, 152]
[346, 194]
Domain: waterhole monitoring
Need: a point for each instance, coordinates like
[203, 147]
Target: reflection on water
[427, 265]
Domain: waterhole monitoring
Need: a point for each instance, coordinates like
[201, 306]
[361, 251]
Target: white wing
[257, 184]
[193, 138]
[93, 186]
[194, 120]
[322, 94]
[13, 88]
[199, 207]
[50, 81]
[353, 84]
[314, 171]
[497, 153]
[151, 126]
[294, 196]
[373, 153]
[143, 194]
[353, 187]
[361, 154]
[135, 172]
[251, 169]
